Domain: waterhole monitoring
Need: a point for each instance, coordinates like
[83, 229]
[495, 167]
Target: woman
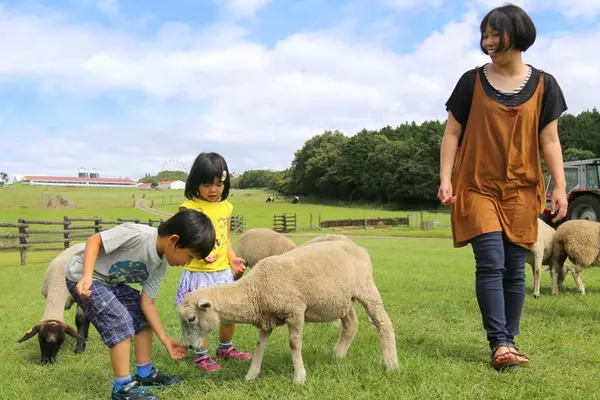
[501, 115]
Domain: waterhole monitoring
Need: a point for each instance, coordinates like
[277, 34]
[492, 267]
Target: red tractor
[583, 191]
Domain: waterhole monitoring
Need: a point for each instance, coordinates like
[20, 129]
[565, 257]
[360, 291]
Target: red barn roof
[77, 179]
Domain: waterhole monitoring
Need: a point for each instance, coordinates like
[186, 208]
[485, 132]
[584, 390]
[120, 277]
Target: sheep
[540, 255]
[579, 242]
[327, 238]
[270, 199]
[295, 200]
[51, 328]
[317, 283]
[258, 243]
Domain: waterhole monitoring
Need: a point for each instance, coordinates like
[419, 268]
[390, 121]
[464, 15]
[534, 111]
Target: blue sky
[123, 86]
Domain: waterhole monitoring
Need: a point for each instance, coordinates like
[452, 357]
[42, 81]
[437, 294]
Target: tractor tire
[585, 207]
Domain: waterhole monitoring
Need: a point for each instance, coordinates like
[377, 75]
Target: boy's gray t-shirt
[129, 256]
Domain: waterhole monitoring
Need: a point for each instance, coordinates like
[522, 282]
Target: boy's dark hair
[205, 169]
[195, 230]
[511, 20]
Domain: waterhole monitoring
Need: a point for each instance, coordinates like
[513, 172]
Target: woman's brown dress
[497, 178]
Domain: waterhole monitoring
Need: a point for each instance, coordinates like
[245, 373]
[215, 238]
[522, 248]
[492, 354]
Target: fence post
[23, 241]
[67, 231]
[97, 222]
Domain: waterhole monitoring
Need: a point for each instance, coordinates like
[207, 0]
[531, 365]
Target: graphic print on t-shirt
[127, 272]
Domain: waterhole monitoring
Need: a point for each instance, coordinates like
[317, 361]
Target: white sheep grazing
[51, 328]
[258, 243]
[314, 283]
[328, 238]
[579, 242]
[540, 255]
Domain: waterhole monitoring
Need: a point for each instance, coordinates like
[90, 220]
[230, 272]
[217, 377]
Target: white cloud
[215, 89]
[244, 8]
[110, 7]
[571, 9]
[411, 3]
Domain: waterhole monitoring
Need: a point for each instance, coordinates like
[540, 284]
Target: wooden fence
[349, 222]
[71, 230]
[284, 223]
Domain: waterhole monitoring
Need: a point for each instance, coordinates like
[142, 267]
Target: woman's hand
[445, 193]
[559, 199]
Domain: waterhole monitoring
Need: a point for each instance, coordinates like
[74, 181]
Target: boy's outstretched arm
[176, 350]
[92, 247]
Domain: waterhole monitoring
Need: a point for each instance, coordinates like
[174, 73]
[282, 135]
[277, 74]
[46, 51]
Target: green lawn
[442, 349]
[33, 202]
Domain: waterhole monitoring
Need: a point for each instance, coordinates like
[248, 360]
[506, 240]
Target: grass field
[441, 345]
[428, 291]
[32, 202]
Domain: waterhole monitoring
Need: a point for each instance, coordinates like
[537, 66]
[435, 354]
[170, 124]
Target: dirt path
[141, 205]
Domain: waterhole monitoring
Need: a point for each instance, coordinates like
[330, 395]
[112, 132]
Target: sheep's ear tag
[29, 331]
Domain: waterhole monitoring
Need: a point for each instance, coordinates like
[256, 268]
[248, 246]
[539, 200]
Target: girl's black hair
[513, 21]
[205, 169]
[195, 230]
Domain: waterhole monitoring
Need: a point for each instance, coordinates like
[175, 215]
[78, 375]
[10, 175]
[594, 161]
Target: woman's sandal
[517, 353]
[510, 361]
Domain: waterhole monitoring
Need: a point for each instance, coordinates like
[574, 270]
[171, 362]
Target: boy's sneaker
[157, 379]
[231, 352]
[206, 363]
[133, 391]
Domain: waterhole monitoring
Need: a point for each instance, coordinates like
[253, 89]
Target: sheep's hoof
[250, 377]
[300, 379]
[391, 365]
[536, 296]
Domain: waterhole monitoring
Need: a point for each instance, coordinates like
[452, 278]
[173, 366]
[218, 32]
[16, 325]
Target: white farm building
[79, 181]
[175, 184]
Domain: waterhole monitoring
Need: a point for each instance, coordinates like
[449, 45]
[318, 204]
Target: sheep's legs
[370, 298]
[348, 329]
[577, 277]
[557, 266]
[83, 327]
[296, 328]
[259, 352]
[537, 276]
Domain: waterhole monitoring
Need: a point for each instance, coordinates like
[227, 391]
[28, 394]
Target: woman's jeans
[500, 286]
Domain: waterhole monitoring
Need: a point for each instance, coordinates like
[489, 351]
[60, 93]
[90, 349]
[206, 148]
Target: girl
[206, 189]
[501, 115]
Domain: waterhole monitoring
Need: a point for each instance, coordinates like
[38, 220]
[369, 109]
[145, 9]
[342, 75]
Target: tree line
[398, 167]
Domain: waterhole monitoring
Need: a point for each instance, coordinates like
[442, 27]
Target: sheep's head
[198, 319]
[51, 336]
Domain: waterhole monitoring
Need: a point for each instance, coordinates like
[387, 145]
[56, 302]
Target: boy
[98, 279]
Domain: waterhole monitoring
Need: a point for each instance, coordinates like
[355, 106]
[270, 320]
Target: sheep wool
[51, 328]
[258, 243]
[579, 242]
[328, 238]
[315, 283]
[54, 287]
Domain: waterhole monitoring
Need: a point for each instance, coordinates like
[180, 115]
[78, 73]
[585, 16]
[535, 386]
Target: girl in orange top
[500, 116]
[207, 189]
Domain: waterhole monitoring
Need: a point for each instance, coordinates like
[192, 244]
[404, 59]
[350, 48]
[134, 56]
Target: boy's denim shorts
[114, 311]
